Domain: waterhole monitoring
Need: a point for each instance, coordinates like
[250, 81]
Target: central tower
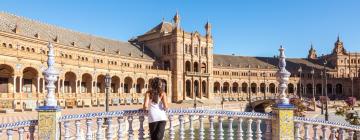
[188, 55]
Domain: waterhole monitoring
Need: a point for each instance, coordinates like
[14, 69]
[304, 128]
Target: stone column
[43, 85]
[14, 84]
[38, 85]
[63, 86]
[76, 87]
[20, 84]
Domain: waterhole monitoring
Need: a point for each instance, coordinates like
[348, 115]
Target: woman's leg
[161, 130]
[153, 131]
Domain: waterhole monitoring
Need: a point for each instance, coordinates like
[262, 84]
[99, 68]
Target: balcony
[189, 73]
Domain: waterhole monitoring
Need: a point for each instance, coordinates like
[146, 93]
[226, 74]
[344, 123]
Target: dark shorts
[157, 130]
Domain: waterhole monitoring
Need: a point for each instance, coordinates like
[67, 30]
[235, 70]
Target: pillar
[283, 122]
[43, 85]
[48, 123]
[20, 84]
[76, 87]
[38, 85]
[14, 84]
[63, 86]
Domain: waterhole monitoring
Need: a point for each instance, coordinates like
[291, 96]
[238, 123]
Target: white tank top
[156, 112]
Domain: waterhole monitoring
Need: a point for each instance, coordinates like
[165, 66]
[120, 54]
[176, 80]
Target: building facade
[185, 60]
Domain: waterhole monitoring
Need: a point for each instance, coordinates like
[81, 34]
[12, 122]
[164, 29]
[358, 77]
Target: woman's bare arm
[146, 102]
[164, 100]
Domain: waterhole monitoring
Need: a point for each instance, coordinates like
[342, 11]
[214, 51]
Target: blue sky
[242, 27]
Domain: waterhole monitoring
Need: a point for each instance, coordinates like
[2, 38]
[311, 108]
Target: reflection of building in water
[185, 61]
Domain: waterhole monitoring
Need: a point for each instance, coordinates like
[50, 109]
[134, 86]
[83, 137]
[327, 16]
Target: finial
[51, 74]
[283, 78]
[338, 37]
[163, 19]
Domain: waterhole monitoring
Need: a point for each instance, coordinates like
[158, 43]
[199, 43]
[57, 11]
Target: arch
[187, 66]
[100, 84]
[226, 86]
[338, 89]
[291, 88]
[244, 87]
[262, 87]
[309, 89]
[196, 88]
[235, 87]
[29, 80]
[318, 90]
[128, 82]
[203, 68]
[216, 87]
[272, 88]
[203, 88]
[86, 83]
[140, 83]
[253, 88]
[329, 89]
[115, 84]
[6, 73]
[188, 88]
[196, 67]
[70, 82]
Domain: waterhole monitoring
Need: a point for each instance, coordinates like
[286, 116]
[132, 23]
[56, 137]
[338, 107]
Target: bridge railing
[19, 130]
[111, 125]
[307, 128]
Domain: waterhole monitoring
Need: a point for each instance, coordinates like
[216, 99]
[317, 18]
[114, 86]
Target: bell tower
[339, 47]
[312, 53]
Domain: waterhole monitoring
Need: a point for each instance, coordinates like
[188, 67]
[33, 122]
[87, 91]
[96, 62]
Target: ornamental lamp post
[352, 88]
[301, 87]
[326, 94]
[264, 75]
[313, 86]
[107, 86]
[249, 89]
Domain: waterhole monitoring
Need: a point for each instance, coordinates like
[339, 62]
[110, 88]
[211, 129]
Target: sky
[240, 27]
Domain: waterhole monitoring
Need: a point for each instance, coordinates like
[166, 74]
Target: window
[27, 87]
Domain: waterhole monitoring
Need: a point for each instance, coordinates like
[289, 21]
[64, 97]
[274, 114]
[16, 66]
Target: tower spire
[177, 19]
[208, 29]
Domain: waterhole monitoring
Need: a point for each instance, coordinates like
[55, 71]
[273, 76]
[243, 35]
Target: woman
[156, 104]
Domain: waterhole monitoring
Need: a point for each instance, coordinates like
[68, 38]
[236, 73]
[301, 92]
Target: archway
[318, 89]
[29, 79]
[225, 87]
[262, 88]
[196, 67]
[338, 89]
[203, 89]
[140, 82]
[291, 88]
[272, 88]
[115, 84]
[309, 89]
[203, 68]
[235, 87]
[244, 87]
[70, 82]
[6, 74]
[128, 84]
[100, 84]
[86, 83]
[187, 66]
[188, 88]
[196, 88]
[329, 89]
[253, 87]
[216, 87]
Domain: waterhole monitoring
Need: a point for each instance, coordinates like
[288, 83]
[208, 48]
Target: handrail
[253, 115]
[18, 124]
[327, 123]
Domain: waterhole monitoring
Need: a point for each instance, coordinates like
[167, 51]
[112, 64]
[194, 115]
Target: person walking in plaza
[156, 104]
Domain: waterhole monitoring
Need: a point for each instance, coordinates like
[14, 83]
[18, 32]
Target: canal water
[216, 126]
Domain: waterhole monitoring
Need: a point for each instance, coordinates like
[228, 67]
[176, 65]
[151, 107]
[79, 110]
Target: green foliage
[351, 116]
